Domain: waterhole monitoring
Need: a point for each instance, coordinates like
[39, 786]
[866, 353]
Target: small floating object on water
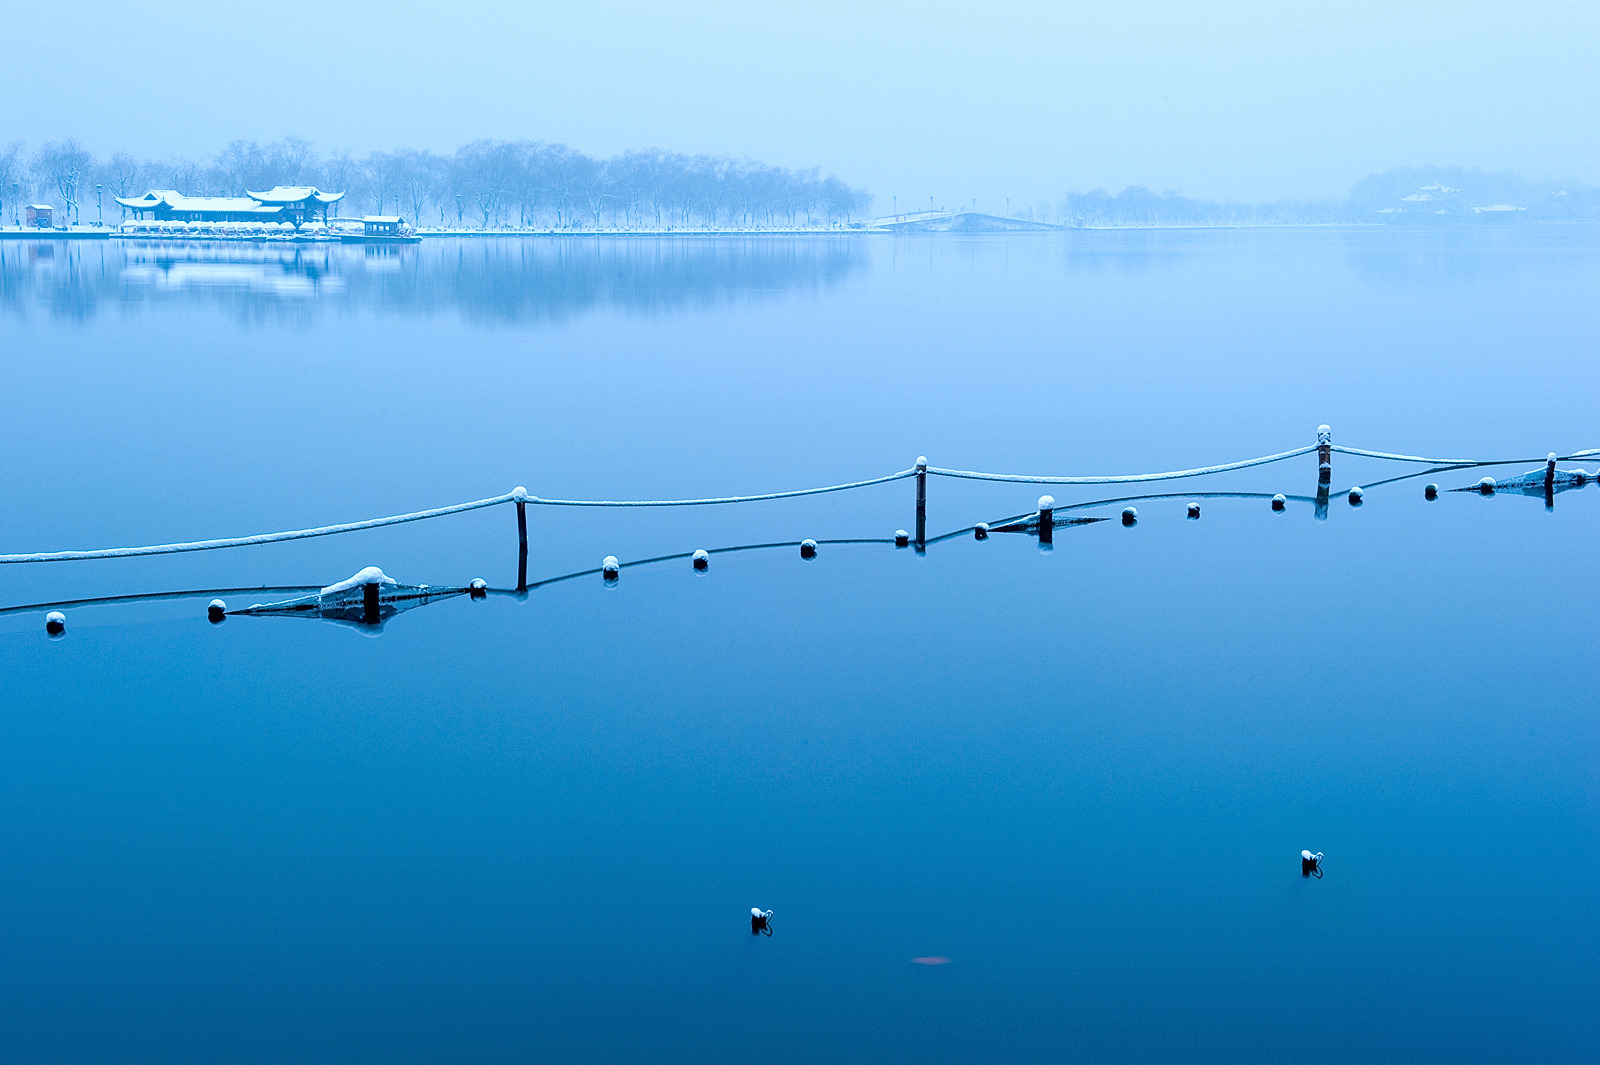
[478, 588]
[1311, 864]
[1355, 497]
[760, 921]
[55, 623]
[216, 610]
[936, 959]
[1280, 501]
[701, 560]
[610, 569]
[1486, 486]
[902, 538]
[808, 549]
[1130, 516]
[1194, 511]
[980, 531]
[1431, 492]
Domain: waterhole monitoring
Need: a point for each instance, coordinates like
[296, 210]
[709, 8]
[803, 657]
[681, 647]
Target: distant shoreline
[113, 233]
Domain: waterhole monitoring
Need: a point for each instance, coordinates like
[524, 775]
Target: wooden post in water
[1550, 481]
[922, 504]
[369, 602]
[1047, 521]
[1324, 469]
[522, 538]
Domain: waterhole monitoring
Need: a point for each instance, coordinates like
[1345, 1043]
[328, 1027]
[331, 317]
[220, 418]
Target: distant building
[293, 204]
[41, 216]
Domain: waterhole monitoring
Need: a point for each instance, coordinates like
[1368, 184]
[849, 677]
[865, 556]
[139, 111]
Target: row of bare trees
[487, 184]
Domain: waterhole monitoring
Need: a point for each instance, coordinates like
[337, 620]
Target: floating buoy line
[369, 597]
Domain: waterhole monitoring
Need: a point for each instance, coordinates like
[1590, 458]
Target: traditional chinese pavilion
[293, 204]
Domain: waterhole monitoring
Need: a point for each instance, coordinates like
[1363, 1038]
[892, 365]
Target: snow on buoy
[610, 569]
[808, 549]
[478, 588]
[1486, 486]
[980, 531]
[1130, 516]
[1194, 510]
[1431, 492]
[216, 610]
[700, 560]
[55, 623]
[760, 921]
[1355, 497]
[1311, 864]
[1279, 502]
[902, 538]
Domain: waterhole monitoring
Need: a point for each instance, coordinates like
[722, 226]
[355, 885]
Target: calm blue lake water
[533, 830]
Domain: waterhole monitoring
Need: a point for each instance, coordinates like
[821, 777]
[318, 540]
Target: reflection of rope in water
[522, 499]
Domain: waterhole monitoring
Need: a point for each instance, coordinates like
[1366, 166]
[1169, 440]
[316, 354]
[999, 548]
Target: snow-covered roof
[296, 194]
[384, 219]
[216, 204]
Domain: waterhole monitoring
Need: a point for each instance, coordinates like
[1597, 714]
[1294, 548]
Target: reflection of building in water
[521, 279]
[275, 270]
[296, 205]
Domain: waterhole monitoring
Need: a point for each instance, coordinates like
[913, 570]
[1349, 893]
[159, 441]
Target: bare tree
[63, 165]
[10, 171]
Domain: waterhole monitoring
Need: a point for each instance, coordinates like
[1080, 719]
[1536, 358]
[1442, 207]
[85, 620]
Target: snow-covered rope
[1132, 478]
[719, 499]
[262, 538]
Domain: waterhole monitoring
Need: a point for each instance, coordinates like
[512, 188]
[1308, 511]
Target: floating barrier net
[521, 498]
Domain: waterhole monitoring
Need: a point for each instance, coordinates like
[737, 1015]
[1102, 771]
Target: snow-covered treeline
[486, 184]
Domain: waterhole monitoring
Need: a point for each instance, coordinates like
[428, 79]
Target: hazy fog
[1249, 99]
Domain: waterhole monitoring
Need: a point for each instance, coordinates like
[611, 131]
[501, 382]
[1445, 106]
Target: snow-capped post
[922, 504]
[1324, 470]
[369, 603]
[1130, 516]
[1550, 481]
[1431, 492]
[520, 494]
[1279, 502]
[1194, 511]
[55, 623]
[216, 611]
[1047, 521]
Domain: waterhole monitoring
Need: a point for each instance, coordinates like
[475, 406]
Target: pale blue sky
[1246, 99]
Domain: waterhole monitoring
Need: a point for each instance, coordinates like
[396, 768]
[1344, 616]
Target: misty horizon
[1247, 103]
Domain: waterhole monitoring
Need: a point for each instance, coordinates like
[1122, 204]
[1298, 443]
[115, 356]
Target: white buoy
[55, 623]
[902, 538]
[808, 549]
[1486, 486]
[1194, 510]
[980, 531]
[216, 610]
[1279, 502]
[1355, 497]
[610, 569]
[478, 588]
[1130, 516]
[701, 560]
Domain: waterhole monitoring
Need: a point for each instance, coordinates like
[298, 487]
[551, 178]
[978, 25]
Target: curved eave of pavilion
[295, 194]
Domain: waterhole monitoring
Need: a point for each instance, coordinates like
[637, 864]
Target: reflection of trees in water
[482, 279]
